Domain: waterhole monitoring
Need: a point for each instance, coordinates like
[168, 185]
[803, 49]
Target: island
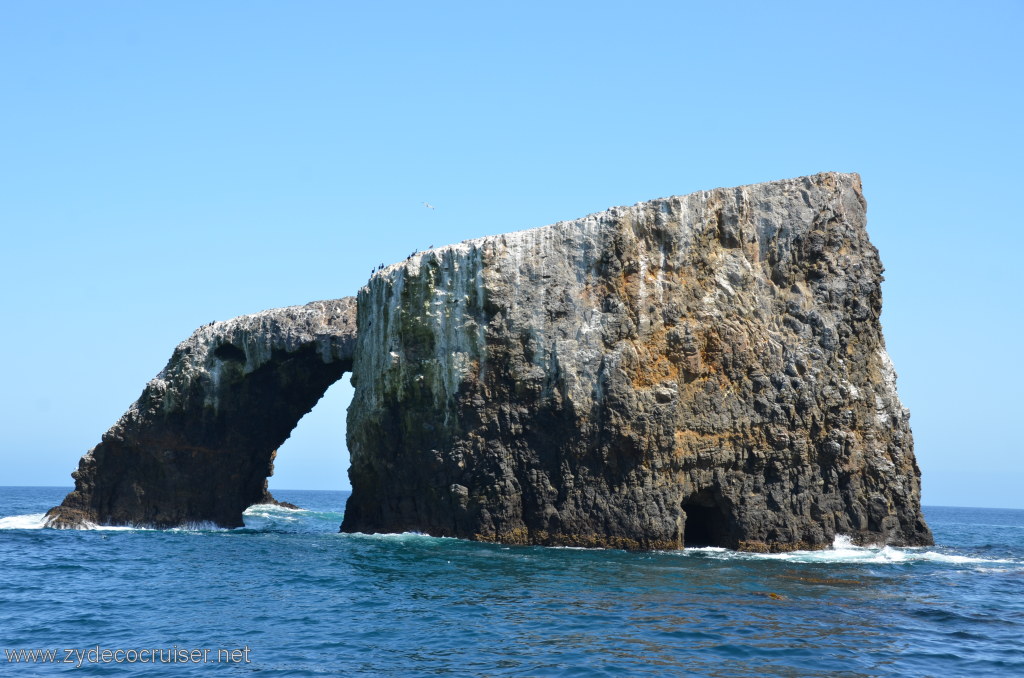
[699, 370]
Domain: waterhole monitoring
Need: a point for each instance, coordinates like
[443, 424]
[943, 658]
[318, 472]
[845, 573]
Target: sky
[164, 164]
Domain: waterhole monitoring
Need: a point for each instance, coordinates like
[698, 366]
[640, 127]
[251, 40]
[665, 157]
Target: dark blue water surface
[307, 601]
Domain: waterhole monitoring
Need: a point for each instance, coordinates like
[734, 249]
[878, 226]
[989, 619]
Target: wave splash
[31, 521]
[845, 551]
[261, 518]
[37, 521]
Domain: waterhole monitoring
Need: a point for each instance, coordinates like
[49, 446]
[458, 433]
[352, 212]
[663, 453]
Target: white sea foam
[31, 521]
[264, 516]
[37, 521]
[204, 526]
[273, 508]
[845, 551]
[115, 528]
[417, 537]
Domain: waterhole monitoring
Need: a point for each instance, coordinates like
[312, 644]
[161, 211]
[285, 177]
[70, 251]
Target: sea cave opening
[707, 523]
[315, 456]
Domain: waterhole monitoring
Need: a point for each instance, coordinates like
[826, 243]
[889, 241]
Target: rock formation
[199, 443]
[697, 370]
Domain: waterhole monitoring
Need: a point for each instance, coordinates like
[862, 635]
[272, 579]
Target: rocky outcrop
[199, 443]
[697, 370]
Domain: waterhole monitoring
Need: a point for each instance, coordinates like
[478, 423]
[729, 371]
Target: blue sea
[287, 595]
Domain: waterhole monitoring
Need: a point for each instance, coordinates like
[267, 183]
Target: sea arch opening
[315, 455]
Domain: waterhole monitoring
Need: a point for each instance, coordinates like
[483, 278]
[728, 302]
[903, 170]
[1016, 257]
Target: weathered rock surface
[199, 443]
[706, 369]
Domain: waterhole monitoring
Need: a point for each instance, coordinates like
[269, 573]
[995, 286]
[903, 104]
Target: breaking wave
[31, 521]
[37, 521]
[845, 551]
[270, 518]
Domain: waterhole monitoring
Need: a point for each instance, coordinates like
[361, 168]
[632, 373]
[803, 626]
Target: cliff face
[706, 369]
[200, 441]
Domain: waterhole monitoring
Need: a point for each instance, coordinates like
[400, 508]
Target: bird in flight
[427, 204]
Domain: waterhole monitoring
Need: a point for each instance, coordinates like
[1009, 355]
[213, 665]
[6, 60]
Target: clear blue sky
[164, 164]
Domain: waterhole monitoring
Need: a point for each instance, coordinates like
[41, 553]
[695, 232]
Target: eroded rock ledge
[199, 443]
[697, 370]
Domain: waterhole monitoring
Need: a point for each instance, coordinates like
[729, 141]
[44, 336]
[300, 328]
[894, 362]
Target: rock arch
[703, 369]
[199, 443]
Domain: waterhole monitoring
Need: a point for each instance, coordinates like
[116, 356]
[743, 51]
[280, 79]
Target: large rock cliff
[697, 370]
[199, 443]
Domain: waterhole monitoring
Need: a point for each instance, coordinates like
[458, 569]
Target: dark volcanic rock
[706, 369]
[200, 441]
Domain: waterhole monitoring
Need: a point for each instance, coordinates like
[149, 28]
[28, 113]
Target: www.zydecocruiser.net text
[101, 655]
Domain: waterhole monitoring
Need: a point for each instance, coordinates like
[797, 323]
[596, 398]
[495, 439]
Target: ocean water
[289, 596]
